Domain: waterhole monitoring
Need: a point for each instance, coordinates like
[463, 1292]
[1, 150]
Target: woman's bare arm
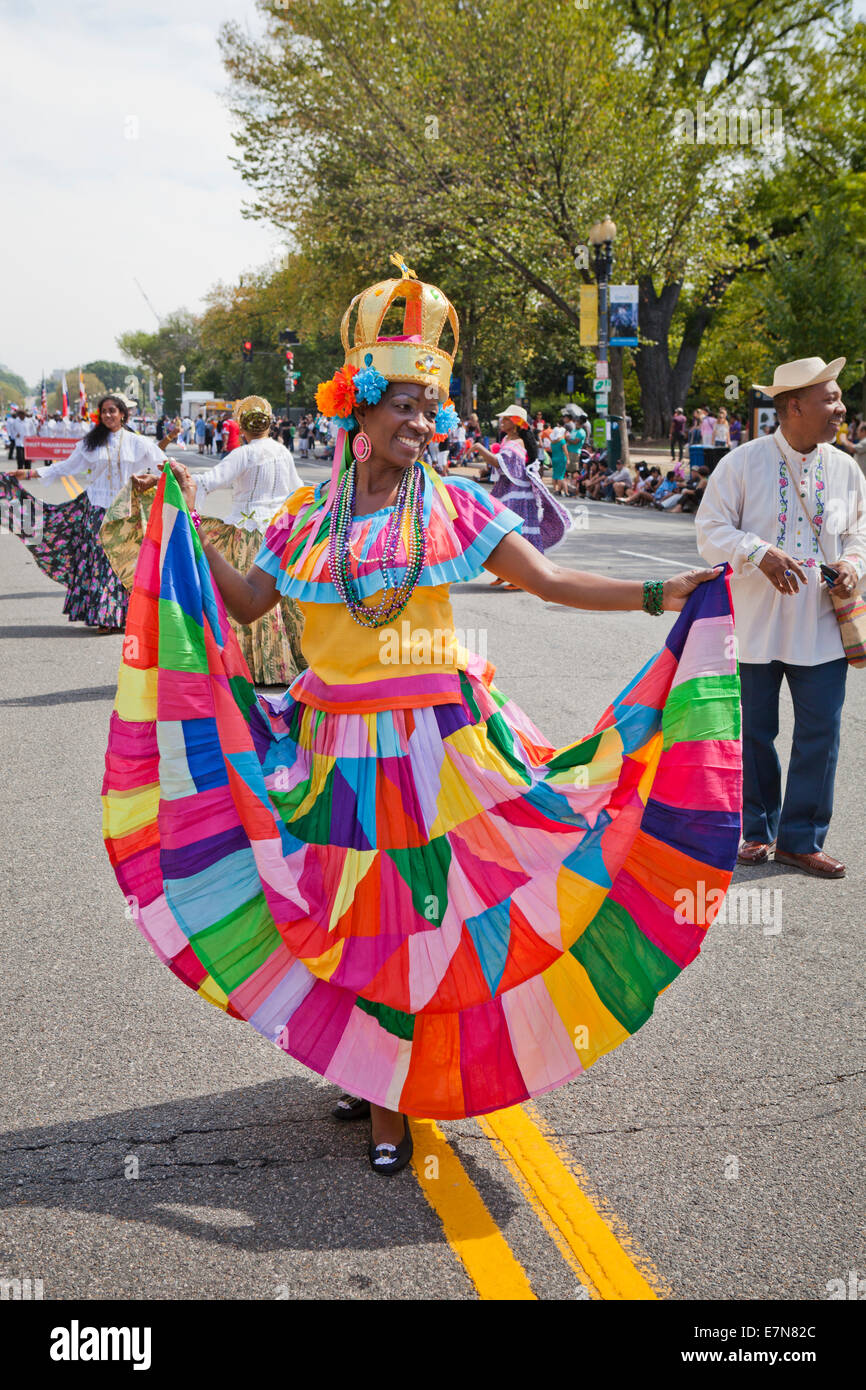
[518, 562]
[247, 597]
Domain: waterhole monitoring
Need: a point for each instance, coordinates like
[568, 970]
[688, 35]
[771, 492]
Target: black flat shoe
[388, 1159]
[351, 1108]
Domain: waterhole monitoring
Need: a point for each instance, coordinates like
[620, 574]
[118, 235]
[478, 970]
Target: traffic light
[290, 358]
[248, 351]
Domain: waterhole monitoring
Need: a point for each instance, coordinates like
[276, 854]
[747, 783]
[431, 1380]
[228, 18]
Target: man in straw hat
[761, 509]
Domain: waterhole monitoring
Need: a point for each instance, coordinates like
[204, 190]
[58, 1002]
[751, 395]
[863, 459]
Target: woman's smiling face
[111, 415]
[403, 423]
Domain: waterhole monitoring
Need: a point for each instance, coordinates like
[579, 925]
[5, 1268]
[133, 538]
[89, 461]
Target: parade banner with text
[35, 447]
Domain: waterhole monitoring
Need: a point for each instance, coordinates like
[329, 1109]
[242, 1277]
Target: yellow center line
[469, 1228]
[72, 487]
[600, 1255]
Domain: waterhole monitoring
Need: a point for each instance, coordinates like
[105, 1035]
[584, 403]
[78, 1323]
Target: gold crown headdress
[373, 360]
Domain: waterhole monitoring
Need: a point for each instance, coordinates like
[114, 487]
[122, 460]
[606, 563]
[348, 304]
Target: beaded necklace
[409, 500]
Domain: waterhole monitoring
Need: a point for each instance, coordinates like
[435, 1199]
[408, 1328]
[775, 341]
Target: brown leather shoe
[819, 863]
[753, 852]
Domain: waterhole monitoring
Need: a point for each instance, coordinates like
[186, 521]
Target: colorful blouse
[417, 659]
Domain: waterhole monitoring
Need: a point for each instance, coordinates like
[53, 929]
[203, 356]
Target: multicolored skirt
[271, 646]
[67, 548]
[434, 908]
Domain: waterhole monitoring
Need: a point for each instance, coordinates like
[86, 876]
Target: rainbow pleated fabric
[432, 907]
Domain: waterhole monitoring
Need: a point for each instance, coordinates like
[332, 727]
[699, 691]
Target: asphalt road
[153, 1147]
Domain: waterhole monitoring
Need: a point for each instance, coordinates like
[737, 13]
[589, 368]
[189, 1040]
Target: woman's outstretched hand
[186, 481]
[143, 482]
[677, 590]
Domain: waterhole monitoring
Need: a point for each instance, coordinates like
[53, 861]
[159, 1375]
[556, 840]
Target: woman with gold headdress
[391, 873]
[261, 474]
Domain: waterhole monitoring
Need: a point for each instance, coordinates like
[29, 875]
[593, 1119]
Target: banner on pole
[623, 316]
[588, 316]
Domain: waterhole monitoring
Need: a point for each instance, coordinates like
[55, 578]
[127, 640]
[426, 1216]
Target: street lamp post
[601, 238]
[182, 388]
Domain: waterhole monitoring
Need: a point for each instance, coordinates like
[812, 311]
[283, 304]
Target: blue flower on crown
[369, 384]
[446, 419]
[345, 422]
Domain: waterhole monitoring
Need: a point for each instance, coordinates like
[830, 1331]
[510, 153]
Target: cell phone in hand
[829, 574]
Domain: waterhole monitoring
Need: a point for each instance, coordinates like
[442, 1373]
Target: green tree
[111, 374]
[459, 127]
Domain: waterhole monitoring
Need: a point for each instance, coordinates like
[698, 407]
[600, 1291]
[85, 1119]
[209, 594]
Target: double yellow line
[72, 486]
[603, 1262]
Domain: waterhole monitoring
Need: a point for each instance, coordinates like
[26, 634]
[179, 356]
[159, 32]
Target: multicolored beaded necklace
[409, 500]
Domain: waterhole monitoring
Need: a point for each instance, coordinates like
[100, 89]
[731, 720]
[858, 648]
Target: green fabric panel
[181, 640]
[314, 827]
[425, 869]
[244, 694]
[300, 521]
[392, 1020]
[575, 756]
[469, 697]
[707, 707]
[626, 969]
[234, 948]
[500, 735]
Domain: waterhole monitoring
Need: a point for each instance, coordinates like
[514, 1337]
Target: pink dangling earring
[361, 447]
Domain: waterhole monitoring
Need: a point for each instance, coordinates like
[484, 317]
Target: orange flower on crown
[337, 396]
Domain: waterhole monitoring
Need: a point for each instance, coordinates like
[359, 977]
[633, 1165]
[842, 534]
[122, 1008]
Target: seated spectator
[667, 488]
[644, 490]
[690, 497]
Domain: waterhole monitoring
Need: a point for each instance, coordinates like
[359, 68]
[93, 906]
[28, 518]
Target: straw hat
[806, 371]
[515, 412]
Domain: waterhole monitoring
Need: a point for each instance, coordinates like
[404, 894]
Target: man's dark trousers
[799, 825]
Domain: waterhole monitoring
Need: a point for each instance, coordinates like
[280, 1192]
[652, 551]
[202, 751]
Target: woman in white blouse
[67, 546]
[261, 475]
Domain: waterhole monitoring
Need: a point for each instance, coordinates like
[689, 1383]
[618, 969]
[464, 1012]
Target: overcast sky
[116, 148]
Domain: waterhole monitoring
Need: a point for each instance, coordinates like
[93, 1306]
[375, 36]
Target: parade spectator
[231, 434]
[218, 436]
[691, 495]
[643, 492]
[708, 427]
[558, 458]
[736, 431]
[722, 431]
[679, 430]
[695, 431]
[200, 433]
[666, 488]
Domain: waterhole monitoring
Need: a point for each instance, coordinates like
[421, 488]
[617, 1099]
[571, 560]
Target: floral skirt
[67, 548]
[271, 646]
[433, 907]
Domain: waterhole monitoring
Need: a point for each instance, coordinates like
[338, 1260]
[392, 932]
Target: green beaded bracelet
[653, 593]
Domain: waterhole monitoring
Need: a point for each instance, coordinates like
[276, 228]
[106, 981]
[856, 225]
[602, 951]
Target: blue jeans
[800, 824]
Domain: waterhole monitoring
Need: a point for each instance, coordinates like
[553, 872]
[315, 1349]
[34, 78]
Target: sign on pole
[588, 316]
[601, 385]
[599, 433]
[623, 316]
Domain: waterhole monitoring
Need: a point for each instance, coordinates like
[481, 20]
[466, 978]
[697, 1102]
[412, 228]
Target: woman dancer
[261, 475]
[68, 549]
[390, 872]
[517, 485]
